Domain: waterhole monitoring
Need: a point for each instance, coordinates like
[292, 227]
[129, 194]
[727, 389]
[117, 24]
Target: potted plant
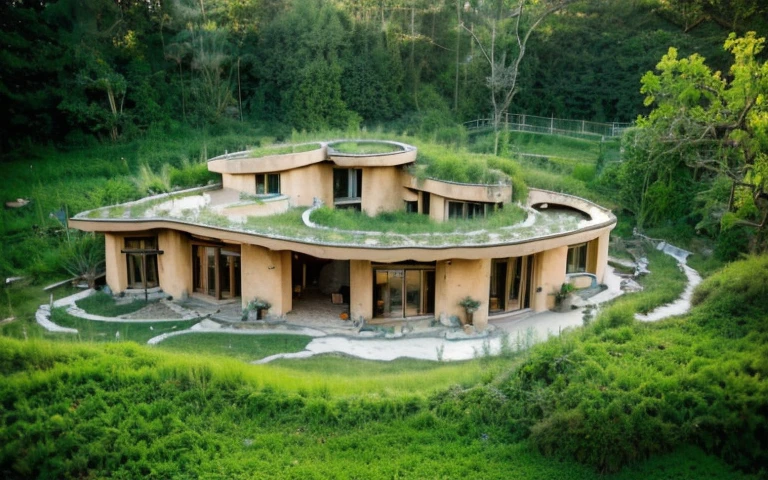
[563, 297]
[255, 309]
[470, 306]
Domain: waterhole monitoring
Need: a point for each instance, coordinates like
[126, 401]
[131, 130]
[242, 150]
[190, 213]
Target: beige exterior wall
[174, 266]
[384, 160]
[601, 255]
[244, 163]
[266, 274]
[115, 263]
[382, 190]
[436, 207]
[549, 276]
[361, 289]
[463, 192]
[455, 279]
[302, 185]
[241, 183]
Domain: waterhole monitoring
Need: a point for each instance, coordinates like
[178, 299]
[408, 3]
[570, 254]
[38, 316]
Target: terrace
[227, 209]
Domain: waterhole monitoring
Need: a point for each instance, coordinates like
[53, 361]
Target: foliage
[612, 395]
[470, 304]
[703, 127]
[255, 305]
[271, 149]
[456, 166]
[413, 223]
[84, 257]
[364, 148]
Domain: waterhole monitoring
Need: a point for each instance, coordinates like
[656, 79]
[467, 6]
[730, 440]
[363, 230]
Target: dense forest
[74, 70]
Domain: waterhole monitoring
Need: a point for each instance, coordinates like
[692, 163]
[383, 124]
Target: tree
[711, 125]
[509, 28]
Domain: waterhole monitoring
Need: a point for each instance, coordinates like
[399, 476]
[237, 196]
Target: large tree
[508, 27]
[705, 125]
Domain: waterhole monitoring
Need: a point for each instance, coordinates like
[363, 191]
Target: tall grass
[621, 391]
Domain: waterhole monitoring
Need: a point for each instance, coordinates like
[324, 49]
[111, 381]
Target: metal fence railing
[555, 126]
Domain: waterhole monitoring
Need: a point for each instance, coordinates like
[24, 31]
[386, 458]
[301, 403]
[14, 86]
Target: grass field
[102, 304]
[95, 331]
[240, 346]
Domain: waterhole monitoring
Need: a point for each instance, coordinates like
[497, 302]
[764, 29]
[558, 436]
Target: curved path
[682, 304]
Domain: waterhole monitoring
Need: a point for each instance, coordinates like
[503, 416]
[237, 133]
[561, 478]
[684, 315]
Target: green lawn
[104, 305]
[95, 331]
[241, 346]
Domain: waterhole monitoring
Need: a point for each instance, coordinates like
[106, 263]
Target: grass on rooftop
[365, 147]
[413, 223]
[283, 149]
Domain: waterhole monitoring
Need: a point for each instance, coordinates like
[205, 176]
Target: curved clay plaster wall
[238, 165]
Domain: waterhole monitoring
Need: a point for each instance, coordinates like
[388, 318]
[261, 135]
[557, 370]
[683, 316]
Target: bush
[623, 391]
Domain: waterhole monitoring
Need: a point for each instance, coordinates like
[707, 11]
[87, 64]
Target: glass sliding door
[511, 284]
[400, 293]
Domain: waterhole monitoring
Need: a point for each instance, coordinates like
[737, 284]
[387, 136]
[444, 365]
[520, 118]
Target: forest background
[123, 95]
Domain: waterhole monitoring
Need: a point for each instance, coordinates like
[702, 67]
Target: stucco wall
[436, 207]
[174, 266]
[303, 184]
[241, 183]
[115, 263]
[456, 279]
[266, 274]
[459, 191]
[601, 255]
[549, 275]
[237, 164]
[382, 190]
[361, 289]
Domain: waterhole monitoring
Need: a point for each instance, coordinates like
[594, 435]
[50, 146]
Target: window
[411, 206]
[347, 183]
[267, 184]
[347, 187]
[466, 210]
[577, 259]
[141, 255]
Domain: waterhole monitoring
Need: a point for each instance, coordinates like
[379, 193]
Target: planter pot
[565, 304]
[258, 314]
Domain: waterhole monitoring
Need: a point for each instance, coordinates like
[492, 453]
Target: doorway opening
[216, 270]
[511, 281]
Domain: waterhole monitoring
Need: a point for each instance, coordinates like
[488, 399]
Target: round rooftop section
[270, 159]
[370, 153]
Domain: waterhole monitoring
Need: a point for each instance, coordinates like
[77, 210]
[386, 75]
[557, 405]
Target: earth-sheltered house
[253, 237]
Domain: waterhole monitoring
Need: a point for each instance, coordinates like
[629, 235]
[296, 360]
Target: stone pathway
[682, 304]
